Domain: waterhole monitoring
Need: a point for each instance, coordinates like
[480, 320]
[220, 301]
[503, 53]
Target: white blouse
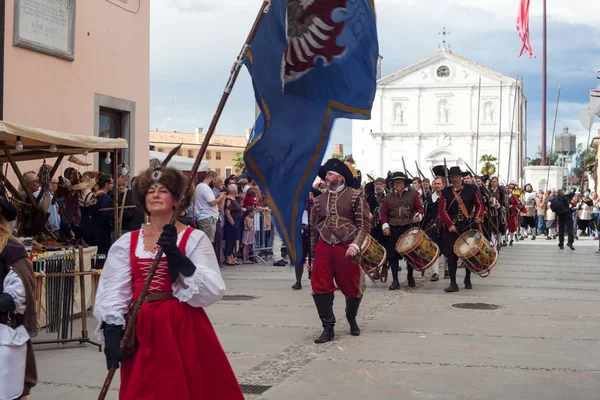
[115, 289]
[13, 285]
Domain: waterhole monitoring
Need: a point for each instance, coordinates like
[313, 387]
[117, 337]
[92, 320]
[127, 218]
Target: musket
[446, 173]
[237, 66]
[489, 193]
[405, 171]
[419, 170]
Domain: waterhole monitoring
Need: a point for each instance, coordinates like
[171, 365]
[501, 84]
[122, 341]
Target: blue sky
[194, 43]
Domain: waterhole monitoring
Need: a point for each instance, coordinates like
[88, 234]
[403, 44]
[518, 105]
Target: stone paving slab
[542, 344]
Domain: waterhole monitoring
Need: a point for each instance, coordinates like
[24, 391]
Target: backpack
[558, 205]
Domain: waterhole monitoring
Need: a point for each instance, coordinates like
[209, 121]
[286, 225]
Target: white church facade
[428, 112]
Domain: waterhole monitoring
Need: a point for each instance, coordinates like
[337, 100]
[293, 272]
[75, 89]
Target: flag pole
[235, 70]
[553, 132]
[499, 132]
[544, 84]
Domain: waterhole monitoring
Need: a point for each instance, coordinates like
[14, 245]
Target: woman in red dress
[178, 355]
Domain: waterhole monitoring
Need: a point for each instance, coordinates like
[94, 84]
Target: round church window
[443, 72]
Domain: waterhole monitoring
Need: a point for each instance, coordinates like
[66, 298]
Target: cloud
[194, 5]
[194, 44]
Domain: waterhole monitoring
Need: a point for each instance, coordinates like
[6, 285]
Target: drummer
[460, 206]
[401, 208]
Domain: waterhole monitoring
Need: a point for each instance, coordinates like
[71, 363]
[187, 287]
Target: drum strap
[461, 204]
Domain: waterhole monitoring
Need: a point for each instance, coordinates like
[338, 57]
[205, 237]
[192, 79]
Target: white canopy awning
[36, 142]
[179, 162]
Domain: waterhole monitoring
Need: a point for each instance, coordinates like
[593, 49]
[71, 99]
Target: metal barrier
[263, 246]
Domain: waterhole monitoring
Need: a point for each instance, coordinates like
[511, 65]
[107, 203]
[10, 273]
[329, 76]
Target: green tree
[338, 156]
[238, 164]
[551, 158]
[488, 168]
[582, 159]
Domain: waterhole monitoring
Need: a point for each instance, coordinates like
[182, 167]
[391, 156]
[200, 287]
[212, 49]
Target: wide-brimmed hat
[316, 192]
[400, 175]
[453, 171]
[338, 167]
[440, 170]
[467, 173]
[85, 183]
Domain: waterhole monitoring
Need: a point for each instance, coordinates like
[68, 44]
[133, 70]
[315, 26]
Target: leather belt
[158, 296]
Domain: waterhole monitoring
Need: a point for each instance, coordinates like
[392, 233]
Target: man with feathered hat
[401, 208]
[340, 221]
[459, 206]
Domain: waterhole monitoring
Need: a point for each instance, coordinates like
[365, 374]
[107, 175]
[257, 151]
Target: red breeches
[332, 263]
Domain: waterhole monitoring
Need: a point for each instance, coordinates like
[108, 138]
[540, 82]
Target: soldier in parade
[433, 224]
[401, 208]
[340, 221]
[375, 193]
[496, 210]
[460, 206]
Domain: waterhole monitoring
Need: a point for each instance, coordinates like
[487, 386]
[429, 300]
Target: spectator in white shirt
[206, 206]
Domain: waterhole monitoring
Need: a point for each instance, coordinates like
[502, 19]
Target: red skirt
[512, 223]
[178, 357]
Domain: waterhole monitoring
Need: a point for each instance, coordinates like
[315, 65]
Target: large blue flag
[312, 61]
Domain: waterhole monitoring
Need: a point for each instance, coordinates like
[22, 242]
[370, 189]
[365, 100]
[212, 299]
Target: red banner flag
[523, 28]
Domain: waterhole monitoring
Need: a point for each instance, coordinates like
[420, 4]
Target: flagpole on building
[235, 70]
[544, 83]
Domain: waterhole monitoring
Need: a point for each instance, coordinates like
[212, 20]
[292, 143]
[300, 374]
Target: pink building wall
[112, 58]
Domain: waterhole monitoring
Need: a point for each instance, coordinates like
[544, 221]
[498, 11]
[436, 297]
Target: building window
[218, 171]
[218, 155]
[179, 152]
[207, 155]
[227, 171]
[161, 150]
[191, 153]
[110, 126]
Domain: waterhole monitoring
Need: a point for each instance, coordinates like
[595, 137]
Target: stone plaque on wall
[47, 26]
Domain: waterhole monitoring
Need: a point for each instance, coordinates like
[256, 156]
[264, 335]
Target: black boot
[351, 311]
[324, 303]
[452, 288]
[468, 282]
[409, 277]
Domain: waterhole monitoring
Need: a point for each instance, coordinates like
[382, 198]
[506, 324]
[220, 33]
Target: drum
[476, 252]
[416, 246]
[373, 259]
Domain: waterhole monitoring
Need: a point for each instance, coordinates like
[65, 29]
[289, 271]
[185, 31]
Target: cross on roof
[444, 45]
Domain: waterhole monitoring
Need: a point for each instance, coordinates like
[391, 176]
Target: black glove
[112, 342]
[178, 262]
[7, 303]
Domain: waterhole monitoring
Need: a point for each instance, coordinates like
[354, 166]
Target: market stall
[65, 274]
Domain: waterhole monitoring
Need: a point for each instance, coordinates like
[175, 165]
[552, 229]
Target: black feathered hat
[339, 167]
[316, 192]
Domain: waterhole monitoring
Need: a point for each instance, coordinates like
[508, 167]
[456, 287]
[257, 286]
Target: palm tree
[488, 167]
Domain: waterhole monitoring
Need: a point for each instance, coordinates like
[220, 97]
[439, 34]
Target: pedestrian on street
[561, 205]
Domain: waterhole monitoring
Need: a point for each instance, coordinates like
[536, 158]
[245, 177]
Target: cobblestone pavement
[543, 342]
